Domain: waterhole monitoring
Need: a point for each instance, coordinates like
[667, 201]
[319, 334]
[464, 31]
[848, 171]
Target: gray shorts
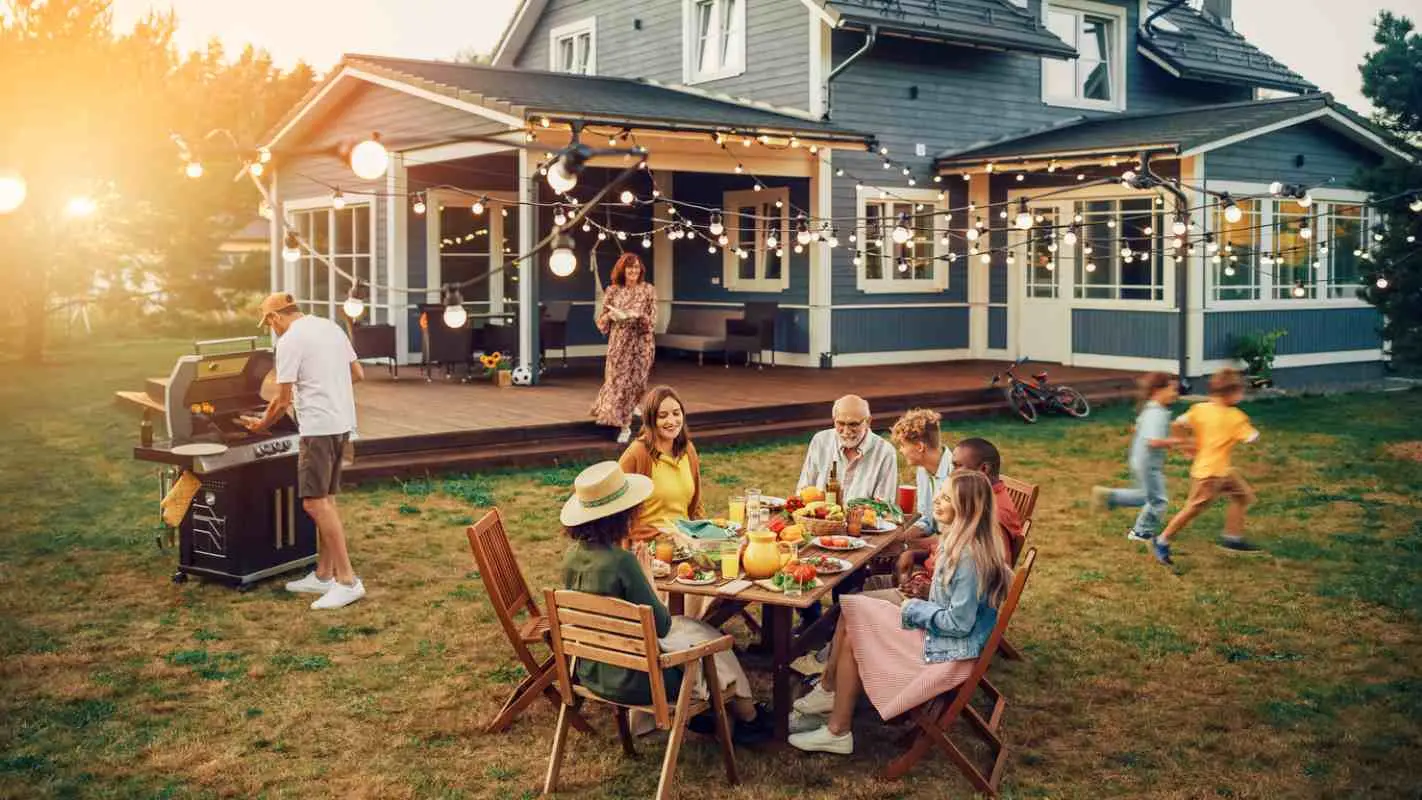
[318, 465]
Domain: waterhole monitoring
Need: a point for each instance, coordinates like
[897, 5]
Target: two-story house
[1118, 183]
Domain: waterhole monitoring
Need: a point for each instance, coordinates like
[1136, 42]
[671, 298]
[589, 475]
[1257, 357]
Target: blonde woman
[902, 656]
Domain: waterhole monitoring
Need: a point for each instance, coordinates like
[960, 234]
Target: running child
[1216, 426]
[1147, 459]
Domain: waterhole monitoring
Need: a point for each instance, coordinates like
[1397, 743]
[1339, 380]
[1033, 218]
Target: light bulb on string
[1178, 227]
[717, 226]
[354, 305]
[13, 190]
[1381, 282]
[478, 208]
[602, 236]
[723, 240]
[1127, 253]
[1229, 271]
[563, 261]
[627, 197]
[455, 315]
[1305, 231]
[193, 169]
[1091, 266]
[1305, 200]
[1024, 217]
[1415, 204]
[901, 232]
[985, 257]
[903, 265]
[646, 243]
[833, 239]
[1070, 237]
[1299, 290]
[370, 159]
[1232, 212]
[560, 217]
[418, 206]
[772, 241]
[972, 234]
[622, 236]
[291, 248]
[338, 200]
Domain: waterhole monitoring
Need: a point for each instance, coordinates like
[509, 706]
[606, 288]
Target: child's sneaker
[1161, 550]
[1100, 498]
[310, 584]
[1136, 536]
[820, 740]
[1237, 544]
[817, 701]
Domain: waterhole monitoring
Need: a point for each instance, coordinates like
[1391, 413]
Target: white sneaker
[340, 595]
[310, 584]
[804, 723]
[820, 740]
[625, 435]
[816, 701]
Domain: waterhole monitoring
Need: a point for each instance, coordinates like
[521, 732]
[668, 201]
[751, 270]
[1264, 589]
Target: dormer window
[1096, 78]
[573, 47]
[714, 42]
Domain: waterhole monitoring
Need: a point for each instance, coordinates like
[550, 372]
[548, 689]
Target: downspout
[869, 39]
[1160, 12]
[1182, 275]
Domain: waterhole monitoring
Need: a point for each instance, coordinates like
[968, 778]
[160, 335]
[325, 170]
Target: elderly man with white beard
[866, 464]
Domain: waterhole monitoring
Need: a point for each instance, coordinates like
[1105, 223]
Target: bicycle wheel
[1072, 402]
[1020, 403]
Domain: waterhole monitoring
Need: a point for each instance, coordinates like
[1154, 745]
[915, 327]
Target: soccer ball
[522, 376]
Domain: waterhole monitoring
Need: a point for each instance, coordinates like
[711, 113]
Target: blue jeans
[1149, 496]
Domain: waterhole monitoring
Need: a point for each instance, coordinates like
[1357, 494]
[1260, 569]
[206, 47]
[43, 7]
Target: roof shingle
[973, 23]
[1200, 49]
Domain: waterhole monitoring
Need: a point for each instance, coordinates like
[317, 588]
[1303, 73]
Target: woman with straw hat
[598, 518]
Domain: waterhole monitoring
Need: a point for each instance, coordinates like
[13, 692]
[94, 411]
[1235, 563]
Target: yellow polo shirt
[673, 486]
[1217, 428]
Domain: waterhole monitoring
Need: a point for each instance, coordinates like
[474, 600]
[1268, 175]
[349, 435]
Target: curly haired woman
[629, 314]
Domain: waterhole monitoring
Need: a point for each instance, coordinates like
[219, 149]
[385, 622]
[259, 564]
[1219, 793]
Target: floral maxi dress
[630, 352]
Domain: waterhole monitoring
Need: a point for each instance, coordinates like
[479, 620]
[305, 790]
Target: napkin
[702, 529]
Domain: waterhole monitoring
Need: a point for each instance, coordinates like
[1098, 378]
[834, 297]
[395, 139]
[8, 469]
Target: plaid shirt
[875, 473]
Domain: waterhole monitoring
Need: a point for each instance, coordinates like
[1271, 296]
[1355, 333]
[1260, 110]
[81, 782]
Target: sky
[1323, 40]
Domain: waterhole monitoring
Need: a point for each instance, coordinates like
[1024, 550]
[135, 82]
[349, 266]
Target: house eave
[1225, 77]
[992, 43]
[1009, 162]
[520, 27]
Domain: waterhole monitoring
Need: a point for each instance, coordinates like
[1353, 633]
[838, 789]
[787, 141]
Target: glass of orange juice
[737, 510]
[789, 551]
[666, 548]
[731, 559]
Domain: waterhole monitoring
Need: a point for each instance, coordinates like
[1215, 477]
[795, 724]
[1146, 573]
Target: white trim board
[1132, 363]
[900, 357]
[520, 28]
[1304, 360]
[575, 28]
[1336, 119]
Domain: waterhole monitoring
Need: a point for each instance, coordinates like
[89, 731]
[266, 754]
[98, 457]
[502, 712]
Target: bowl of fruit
[820, 518]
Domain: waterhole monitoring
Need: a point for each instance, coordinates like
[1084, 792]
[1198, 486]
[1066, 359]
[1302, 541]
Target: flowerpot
[503, 378]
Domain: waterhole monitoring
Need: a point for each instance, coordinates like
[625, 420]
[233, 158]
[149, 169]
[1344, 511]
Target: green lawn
[1293, 674]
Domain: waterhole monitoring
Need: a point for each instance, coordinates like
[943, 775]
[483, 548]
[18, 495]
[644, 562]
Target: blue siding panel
[997, 327]
[876, 330]
[1273, 157]
[699, 273]
[1323, 376]
[1310, 330]
[1140, 334]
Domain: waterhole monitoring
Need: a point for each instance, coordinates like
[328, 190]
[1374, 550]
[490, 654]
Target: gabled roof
[1185, 132]
[513, 96]
[515, 36]
[994, 24]
[1192, 46]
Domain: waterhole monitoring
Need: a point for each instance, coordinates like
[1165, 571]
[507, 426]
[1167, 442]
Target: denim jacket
[956, 622]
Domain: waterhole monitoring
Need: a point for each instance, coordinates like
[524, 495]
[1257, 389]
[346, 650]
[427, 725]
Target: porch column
[1197, 266]
[664, 252]
[528, 267]
[277, 237]
[821, 295]
[979, 276]
[397, 223]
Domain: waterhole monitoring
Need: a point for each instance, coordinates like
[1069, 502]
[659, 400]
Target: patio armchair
[753, 334]
[445, 346]
[376, 341]
[553, 329]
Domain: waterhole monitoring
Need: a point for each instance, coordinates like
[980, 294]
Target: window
[714, 43]
[573, 47]
[1236, 263]
[344, 237]
[756, 254]
[1346, 232]
[465, 249]
[1042, 276]
[1292, 261]
[1118, 253]
[914, 265]
[1096, 78]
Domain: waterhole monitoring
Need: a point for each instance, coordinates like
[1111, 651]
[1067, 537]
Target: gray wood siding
[874, 330]
[1310, 330]
[777, 45]
[1273, 157]
[1140, 334]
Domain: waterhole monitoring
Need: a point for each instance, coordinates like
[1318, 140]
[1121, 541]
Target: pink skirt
[890, 658]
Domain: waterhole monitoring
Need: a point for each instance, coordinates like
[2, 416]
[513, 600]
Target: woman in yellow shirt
[663, 452]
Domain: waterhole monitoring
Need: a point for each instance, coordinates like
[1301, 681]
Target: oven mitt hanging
[175, 505]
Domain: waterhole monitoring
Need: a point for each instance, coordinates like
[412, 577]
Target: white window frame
[928, 198]
[337, 286]
[1268, 206]
[1119, 31]
[573, 30]
[727, 68]
[752, 232]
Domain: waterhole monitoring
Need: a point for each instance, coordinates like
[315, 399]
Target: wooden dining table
[778, 634]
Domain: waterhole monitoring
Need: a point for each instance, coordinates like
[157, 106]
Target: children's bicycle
[1025, 398]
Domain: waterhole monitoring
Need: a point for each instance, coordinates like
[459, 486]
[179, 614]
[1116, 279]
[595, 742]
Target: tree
[1392, 80]
[90, 113]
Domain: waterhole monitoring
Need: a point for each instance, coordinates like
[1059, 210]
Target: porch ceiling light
[454, 313]
[370, 159]
[563, 261]
[563, 175]
[291, 248]
[12, 191]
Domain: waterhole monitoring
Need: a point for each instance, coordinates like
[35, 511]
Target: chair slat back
[1023, 494]
[1004, 617]
[1022, 542]
[606, 630]
[498, 568]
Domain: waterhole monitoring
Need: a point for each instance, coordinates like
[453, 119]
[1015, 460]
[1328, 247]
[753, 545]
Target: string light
[1381, 282]
[1299, 290]
[1305, 230]
[354, 305]
[419, 205]
[478, 208]
[370, 159]
[12, 191]
[1024, 217]
[717, 226]
[338, 200]
[455, 315]
[901, 232]
[290, 248]
[627, 197]
[193, 169]
[1232, 212]
[1415, 204]
[985, 257]
[560, 217]
[563, 261]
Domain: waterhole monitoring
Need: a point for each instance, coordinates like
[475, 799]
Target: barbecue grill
[246, 522]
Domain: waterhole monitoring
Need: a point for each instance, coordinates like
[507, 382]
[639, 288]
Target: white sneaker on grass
[804, 723]
[816, 701]
[310, 584]
[820, 740]
[339, 595]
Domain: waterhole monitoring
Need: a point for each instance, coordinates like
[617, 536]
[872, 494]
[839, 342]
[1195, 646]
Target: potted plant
[1257, 350]
[498, 369]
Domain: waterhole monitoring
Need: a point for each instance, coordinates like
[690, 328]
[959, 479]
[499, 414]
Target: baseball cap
[274, 304]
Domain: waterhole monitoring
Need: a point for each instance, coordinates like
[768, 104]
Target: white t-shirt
[315, 355]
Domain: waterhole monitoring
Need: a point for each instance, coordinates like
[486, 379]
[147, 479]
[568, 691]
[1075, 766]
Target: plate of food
[879, 526]
[660, 568]
[773, 502]
[827, 565]
[840, 542]
[783, 579]
[692, 575]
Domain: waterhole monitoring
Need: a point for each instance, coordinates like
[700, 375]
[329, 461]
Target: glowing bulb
[1305, 201]
[723, 240]
[985, 257]
[256, 169]
[478, 208]
[716, 227]
[560, 217]
[1305, 232]
[1276, 187]
[772, 241]
[1229, 272]
[804, 237]
[563, 261]
[561, 178]
[1126, 253]
[1416, 204]
[1024, 220]
[291, 249]
[1233, 213]
[338, 200]
[1178, 227]
[12, 191]
[901, 234]
[455, 315]
[81, 207]
[193, 169]
[903, 265]
[1069, 237]
[354, 307]
[972, 235]
[627, 197]
[370, 159]
[1091, 266]
[1299, 290]
[1381, 282]
[646, 243]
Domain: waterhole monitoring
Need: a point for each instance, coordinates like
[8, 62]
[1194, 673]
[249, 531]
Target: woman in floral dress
[629, 313]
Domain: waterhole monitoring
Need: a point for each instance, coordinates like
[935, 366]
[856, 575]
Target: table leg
[676, 603]
[778, 622]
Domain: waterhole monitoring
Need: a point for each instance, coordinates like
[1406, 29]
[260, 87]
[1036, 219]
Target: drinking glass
[737, 511]
[789, 551]
[731, 559]
[752, 509]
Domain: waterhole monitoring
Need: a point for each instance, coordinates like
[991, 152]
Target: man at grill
[315, 368]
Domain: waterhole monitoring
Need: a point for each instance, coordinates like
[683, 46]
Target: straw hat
[603, 490]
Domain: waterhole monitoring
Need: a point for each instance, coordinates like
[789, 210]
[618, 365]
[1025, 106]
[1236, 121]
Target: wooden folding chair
[509, 594]
[1023, 494]
[934, 720]
[611, 631]
[1006, 649]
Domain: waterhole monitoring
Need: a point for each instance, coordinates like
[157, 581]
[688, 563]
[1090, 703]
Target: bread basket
[821, 527]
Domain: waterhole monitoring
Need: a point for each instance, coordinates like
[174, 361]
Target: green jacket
[614, 572]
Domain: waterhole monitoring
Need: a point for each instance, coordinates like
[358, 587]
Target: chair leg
[1008, 651]
[723, 726]
[555, 760]
[624, 733]
[678, 731]
[986, 785]
[537, 683]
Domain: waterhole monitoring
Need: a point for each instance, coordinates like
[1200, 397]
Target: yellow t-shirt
[672, 488]
[1217, 429]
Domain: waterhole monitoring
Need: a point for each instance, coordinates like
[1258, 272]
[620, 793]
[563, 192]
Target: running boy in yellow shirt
[1215, 427]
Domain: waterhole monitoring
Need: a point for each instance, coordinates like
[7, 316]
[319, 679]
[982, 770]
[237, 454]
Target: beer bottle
[832, 490]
